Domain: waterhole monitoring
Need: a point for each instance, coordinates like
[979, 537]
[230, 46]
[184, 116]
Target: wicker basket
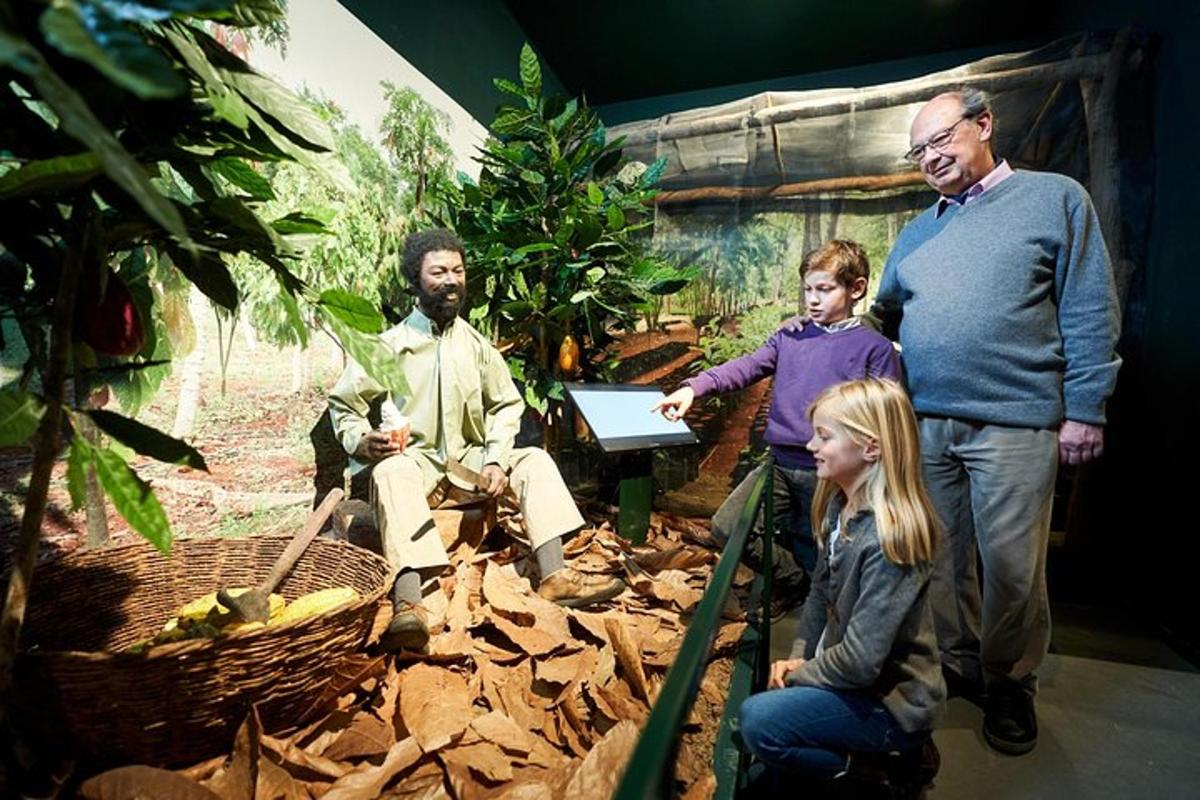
[182, 702]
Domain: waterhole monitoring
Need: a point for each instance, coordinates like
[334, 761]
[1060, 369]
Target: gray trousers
[992, 487]
[792, 498]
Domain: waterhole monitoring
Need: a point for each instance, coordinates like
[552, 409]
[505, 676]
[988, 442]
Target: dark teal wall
[461, 45]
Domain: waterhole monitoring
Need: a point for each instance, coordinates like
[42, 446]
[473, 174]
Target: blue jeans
[808, 731]
[793, 496]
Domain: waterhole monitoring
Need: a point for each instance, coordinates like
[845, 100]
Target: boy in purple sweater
[804, 358]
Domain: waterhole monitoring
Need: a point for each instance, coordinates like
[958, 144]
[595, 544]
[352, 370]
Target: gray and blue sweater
[1007, 306]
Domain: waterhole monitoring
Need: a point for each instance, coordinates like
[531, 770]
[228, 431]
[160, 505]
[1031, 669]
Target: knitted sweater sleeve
[1088, 315]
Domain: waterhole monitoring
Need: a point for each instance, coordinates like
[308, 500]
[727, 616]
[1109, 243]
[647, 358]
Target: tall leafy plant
[555, 229]
[128, 138]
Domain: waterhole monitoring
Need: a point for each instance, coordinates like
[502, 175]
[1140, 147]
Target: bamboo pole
[859, 183]
[886, 96]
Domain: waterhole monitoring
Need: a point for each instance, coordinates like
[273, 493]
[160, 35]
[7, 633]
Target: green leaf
[117, 50]
[595, 194]
[353, 310]
[536, 247]
[594, 274]
[531, 72]
[136, 387]
[588, 231]
[235, 211]
[478, 313]
[292, 311]
[582, 295]
[568, 113]
[211, 276]
[123, 450]
[509, 87]
[534, 400]
[57, 175]
[670, 286]
[148, 441]
[519, 283]
[511, 122]
[299, 223]
[78, 120]
[20, 413]
[256, 13]
[228, 105]
[372, 354]
[616, 218]
[530, 176]
[516, 368]
[517, 308]
[133, 498]
[281, 104]
[243, 176]
[79, 458]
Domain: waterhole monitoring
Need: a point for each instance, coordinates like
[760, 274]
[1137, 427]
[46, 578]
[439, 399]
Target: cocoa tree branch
[46, 446]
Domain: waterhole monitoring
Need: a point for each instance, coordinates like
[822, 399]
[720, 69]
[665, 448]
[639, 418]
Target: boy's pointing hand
[675, 405]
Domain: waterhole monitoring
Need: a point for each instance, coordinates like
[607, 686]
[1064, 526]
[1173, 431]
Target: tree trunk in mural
[191, 370]
[812, 229]
[835, 211]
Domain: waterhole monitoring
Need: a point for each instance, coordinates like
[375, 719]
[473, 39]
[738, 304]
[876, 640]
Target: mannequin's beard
[437, 307]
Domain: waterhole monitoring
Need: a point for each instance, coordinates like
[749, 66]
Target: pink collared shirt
[998, 174]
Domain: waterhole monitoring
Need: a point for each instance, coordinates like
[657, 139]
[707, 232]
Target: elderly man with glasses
[1003, 299]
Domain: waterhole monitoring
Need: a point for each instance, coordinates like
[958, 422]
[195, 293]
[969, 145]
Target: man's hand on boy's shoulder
[796, 323]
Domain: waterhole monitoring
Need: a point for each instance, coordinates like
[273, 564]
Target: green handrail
[649, 772]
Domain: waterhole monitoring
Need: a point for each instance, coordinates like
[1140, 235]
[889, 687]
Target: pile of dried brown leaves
[518, 697]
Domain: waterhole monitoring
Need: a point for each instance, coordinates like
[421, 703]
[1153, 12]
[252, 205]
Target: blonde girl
[864, 680]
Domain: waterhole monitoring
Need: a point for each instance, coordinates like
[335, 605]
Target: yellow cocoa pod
[200, 608]
[568, 355]
[238, 627]
[315, 603]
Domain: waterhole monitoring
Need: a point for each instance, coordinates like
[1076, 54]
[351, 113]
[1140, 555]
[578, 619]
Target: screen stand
[636, 494]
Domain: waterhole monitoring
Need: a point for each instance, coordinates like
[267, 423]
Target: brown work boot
[407, 631]
[574, 589]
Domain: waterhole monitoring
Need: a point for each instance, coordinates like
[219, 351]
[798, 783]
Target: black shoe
[865, 778]
[903, 774]
[911, 771]
[1009, 722]
[957, 686]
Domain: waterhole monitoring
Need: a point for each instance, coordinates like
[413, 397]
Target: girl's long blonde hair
[879, 410]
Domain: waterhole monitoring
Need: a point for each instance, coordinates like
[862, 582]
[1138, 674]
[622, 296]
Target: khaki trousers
[402, 500]
[993, 487]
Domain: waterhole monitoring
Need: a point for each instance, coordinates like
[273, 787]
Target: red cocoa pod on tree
[112, 324]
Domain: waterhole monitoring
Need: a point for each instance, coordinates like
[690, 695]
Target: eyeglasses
[938, 142]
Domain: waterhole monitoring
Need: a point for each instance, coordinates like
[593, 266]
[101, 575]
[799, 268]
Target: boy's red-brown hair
[845, 260]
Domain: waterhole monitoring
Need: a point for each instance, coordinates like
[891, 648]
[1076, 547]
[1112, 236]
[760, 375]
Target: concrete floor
[1118, 714]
